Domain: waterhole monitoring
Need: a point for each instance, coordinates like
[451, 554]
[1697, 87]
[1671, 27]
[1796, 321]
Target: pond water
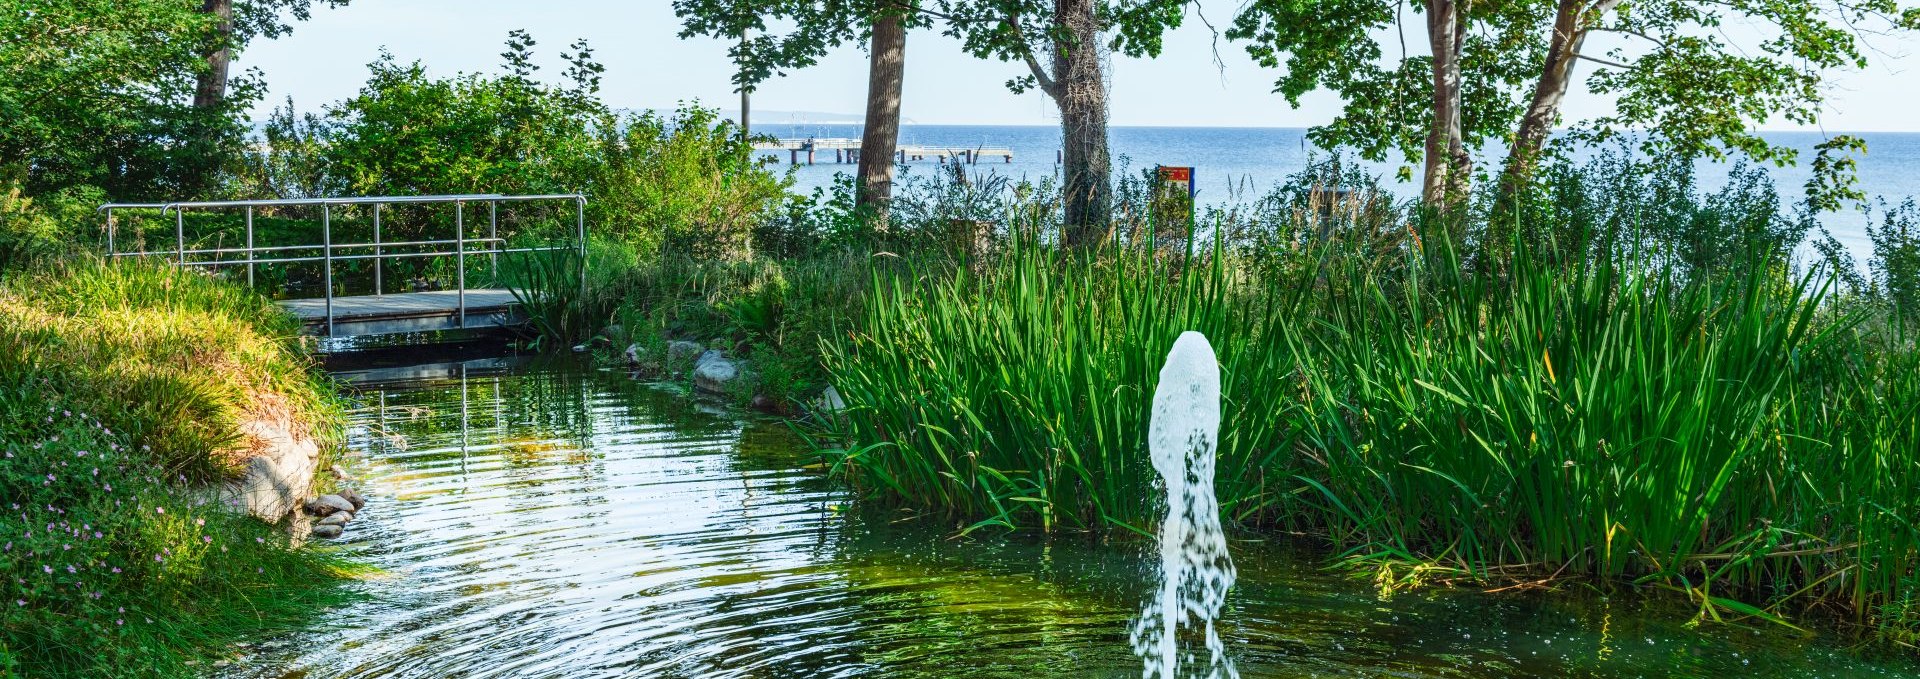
[548, 519]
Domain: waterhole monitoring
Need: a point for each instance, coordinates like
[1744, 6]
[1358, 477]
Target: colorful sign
[1173, 198]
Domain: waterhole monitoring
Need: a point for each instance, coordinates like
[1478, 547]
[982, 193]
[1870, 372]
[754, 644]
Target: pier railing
[327, 252]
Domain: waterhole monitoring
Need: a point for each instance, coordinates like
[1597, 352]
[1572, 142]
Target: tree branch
[1604, 62]
[1040, 76]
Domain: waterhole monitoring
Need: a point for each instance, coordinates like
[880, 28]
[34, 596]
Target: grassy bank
[121, 392]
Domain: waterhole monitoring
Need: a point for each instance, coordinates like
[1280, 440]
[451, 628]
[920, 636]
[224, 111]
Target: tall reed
[1729, 437]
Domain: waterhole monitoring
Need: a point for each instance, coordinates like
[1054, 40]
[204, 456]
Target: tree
[1069, 33]
[96, 93]
[1695, 90]
[236, 25]
[819, 26]
[1430, 107]
[887, 53]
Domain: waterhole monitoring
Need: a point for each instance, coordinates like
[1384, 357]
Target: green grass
[120, 392]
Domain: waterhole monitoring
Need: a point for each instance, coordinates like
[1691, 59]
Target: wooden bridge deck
[407, 312]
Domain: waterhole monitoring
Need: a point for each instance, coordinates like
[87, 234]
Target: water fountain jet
[1195, 569]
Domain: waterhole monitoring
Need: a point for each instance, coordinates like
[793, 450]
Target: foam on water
[1195, 570]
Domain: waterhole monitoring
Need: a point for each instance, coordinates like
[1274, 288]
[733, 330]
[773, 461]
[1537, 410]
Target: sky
[649, 66]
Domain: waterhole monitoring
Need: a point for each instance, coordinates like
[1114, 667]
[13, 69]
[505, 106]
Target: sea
[1242, 163]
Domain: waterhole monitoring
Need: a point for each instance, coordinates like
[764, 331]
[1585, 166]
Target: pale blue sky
[649, 67]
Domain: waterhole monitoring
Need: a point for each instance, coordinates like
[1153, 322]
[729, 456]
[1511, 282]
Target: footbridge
[353, 254]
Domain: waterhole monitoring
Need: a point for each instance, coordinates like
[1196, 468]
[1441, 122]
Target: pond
[549, 519]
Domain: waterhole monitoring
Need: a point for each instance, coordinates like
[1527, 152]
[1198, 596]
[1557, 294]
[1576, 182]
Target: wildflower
[199, 522]
[116, 569]
[48, 569]
[121, 621]
[71, 569]
[259, 540]
[19, 602]
[206, 538]
[160, 510]
[157, 558]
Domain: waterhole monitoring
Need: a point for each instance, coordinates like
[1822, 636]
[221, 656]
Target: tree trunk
[1081, 93]
[1447, 162]
[1563, 49]
[881, 135]
[212, 85]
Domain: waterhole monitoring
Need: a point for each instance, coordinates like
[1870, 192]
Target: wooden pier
[848, 151]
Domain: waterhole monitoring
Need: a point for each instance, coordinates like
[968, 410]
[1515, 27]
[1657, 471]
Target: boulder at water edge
[352, 497]
[326, 531]
[328, 504]
[335, 519]
[682, 352]
[714, 373]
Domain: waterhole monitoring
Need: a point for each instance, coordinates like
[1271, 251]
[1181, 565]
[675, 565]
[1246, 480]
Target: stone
[335, 519]
[613, 333]
[683, 352]
[328, 504]
[714, 373]
[829, 401]
[279, 473]
[327, 531]
[353, 497]
[634, 354]
[764, 403]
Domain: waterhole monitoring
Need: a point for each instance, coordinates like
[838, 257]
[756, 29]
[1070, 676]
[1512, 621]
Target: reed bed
[1738, 438]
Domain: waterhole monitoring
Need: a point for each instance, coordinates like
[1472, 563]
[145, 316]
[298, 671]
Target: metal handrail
[327, 246]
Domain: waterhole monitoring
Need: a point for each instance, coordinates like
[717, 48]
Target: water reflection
[550, 520]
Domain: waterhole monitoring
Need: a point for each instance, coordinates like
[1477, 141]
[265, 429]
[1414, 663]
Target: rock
[325, 531]
[634, 354]
[328, 504]
[764, 403]
[335, 519]
[613, 333]
[279, 474]
[714, 373]
[829, 401]
[353, 497]
[579, 348]
[682, 352]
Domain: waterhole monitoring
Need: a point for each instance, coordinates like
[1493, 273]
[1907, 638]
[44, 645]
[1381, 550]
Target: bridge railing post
[493, 243]
[326, 243]
[378, 288]
[580, 236]
[250, 246]
[460, 257]
[180, 236]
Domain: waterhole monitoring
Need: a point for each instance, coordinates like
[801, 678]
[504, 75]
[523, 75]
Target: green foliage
[687, 182]
[407, 134]
[118, 399]
[1388, 91]
[1896, 256]
[98, 92]
[1681, 89]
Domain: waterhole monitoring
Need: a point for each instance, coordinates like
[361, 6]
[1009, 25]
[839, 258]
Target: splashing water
[1195, 570]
